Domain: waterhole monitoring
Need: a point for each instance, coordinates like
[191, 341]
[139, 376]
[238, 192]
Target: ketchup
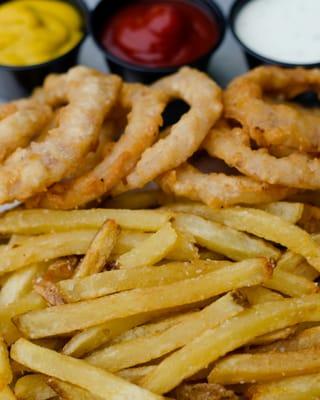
[160, 34]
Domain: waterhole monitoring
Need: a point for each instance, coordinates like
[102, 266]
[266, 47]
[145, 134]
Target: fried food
[275, 122]
[297, 170]
[144, 120]
[21, 121]
[217, 189]
[90, 96]
[185, 137]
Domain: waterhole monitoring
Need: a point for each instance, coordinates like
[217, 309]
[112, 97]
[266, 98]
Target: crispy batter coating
[90, 96]
[20, 121]
[218, 189]
[297, 170]
[185, 137]
[258, 101]
[144, 120]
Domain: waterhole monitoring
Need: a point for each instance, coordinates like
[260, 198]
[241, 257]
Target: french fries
[99, 250]
[144, 349]
[163, 303]
[8, 330]
[108, 282]
[19, 283]
[234, 333]
[151, 250]
[44, 221]
[221, 239]
[77, 372]
[265, 225]
[33, 386]
[5, 368]
[265, 367]
[70, 317]
[66, 391]
[295, 388]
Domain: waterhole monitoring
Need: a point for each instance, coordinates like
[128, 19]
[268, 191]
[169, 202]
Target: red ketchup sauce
[160, 34]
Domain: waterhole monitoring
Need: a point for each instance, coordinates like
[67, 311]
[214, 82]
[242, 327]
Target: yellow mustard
[36, 31]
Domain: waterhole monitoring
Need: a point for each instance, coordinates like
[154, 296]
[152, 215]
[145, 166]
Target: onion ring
[271, 123]
[20, 121]
[90, 96]
[218, 189]
[296, 170]
[144, 121]
[185, 137]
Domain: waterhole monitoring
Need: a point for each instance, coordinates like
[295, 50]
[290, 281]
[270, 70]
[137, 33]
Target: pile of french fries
[147, 299]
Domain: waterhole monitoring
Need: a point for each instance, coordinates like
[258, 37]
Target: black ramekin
[254, 59]
[137, 73]
[28, 77]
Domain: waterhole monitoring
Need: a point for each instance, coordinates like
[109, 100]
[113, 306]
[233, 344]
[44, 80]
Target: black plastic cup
[28, 77]
[137, 73]
[254, 59]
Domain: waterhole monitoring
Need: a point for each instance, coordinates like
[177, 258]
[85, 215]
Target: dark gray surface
[226, 63]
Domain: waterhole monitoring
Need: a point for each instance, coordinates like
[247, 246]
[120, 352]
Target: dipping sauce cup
[29, 76]
[144, 40]
[278, 32]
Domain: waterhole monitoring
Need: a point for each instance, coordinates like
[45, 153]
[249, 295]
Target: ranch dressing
[287, 31]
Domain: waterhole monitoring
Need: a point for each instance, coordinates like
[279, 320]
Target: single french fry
[27, 303]
[307, 339]
[234, 333]
[5, 368]
[264, 367]
[44, 221]
[222, 239]
[7, 394]
[290, 212]
[33, 386]
[108, 282]
[66, 391]
[90, 339]
[260, 294]
[144, 349]
[151, 250]
[20, 283]
[77, 372]
[153, 328]
[295, 388]
[291, 284]
[135, 374]
[70, 317]
[99, 250]
[274, 336]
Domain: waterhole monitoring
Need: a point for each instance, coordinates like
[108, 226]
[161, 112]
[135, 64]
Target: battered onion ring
[270, 123]
[218, 189]
[144, 121]
[204, 98]
[20, 121]
[90, 96]
[233, 146]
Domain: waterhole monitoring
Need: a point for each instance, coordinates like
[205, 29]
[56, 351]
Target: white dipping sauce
[281, 30]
